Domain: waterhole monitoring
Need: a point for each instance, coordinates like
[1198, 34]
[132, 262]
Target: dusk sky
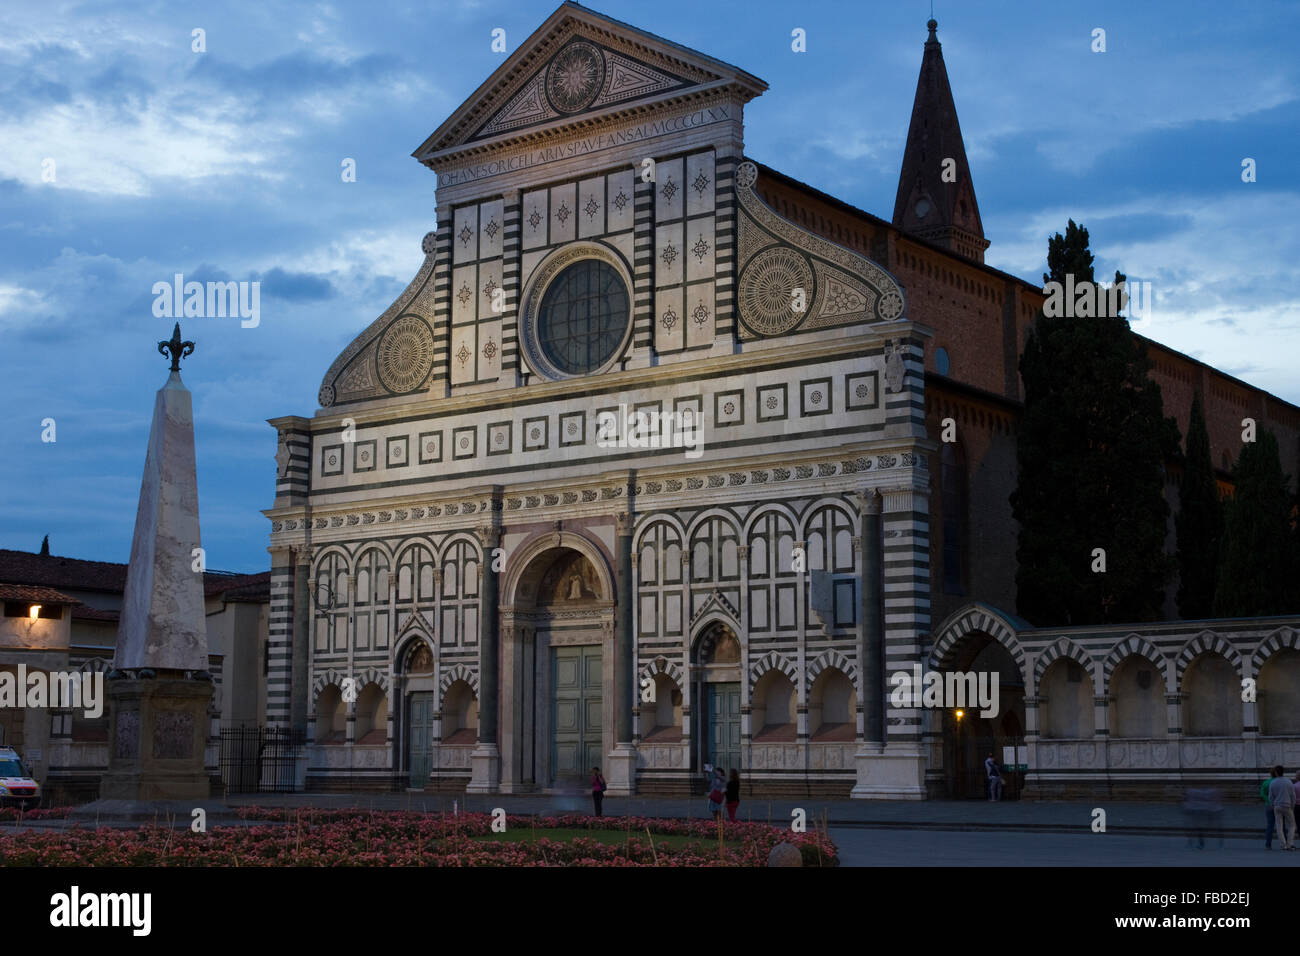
[225, 164]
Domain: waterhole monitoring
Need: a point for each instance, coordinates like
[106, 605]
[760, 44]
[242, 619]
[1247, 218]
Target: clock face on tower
[922, 207]
[574, 77]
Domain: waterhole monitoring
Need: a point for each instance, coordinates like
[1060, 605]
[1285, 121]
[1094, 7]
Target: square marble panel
[699, 249]
[491, 294]
[464, 234]
[772, 402]
[533, 219]
[591, 207]
[700, 317]
[430, 447]
[464, 295]
[331, 460]
[670, 257]
[491, 228]
[364, 456]
[535, 434]
[499, 438]
[397, 451]
[815, 397]
[464, 442]
[464, 348]
[699, 183]
[489, 350]
[564, 213]
[670, 190]
[862, 390]
[620, 201]
[728, 408]
[572, 428]
[669, 320]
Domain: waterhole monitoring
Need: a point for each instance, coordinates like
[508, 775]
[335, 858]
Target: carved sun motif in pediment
[574, 77]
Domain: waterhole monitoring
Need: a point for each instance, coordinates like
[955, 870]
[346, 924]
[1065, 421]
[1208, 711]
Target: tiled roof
[36, 595]
[25, 567]
[252, 588]
[52, 571]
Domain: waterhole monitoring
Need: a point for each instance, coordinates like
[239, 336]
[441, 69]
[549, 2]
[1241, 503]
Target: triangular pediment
[577, 66]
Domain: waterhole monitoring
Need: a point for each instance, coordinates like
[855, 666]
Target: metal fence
[261, 759]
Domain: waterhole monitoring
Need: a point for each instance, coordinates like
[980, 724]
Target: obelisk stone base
[158, 740]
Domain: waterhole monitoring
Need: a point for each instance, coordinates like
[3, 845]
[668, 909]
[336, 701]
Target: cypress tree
[1091, 451]
[1256, 576]
[1199, 522]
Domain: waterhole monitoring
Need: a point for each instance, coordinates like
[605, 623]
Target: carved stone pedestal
[485, 769]
[889, 773]
[620, 771]
[158, 740]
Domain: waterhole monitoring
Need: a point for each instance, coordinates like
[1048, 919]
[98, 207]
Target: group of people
[724, 790]
[1279, 795]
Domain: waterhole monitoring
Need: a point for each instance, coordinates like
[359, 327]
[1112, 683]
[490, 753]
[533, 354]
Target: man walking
[1281, 794]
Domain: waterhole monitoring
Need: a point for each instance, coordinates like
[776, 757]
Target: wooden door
[724, 725]
[419, 737]
[576, 713]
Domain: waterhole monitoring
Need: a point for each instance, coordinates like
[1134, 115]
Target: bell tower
[936, 198]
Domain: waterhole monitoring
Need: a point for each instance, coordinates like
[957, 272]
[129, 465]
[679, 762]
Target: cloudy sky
[226, 164]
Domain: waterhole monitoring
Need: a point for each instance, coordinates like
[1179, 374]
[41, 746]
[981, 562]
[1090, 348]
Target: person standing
[994, 773]
[1268, 813]
[733, 794]
[717, 785]
[1281, 794]
[597, 789]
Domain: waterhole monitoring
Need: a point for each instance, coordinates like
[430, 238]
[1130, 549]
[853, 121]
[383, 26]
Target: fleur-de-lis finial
[178, 348]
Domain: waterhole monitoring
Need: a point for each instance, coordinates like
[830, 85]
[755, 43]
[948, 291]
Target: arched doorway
[557, 668]
[716, 693]
[418, 713]
[968, 736]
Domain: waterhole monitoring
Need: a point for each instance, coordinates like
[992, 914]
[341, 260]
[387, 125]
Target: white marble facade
[454, 465]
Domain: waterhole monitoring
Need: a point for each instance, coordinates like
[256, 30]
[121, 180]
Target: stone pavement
[1242, 820]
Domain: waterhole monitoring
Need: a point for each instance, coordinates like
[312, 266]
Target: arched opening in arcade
[969, 735]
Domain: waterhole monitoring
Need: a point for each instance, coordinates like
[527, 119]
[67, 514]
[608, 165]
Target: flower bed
[48, 813]
[406, 838]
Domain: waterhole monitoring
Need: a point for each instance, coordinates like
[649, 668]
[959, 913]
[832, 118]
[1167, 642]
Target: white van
[17, 785]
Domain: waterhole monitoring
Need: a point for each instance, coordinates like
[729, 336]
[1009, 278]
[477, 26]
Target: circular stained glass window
[584, 317]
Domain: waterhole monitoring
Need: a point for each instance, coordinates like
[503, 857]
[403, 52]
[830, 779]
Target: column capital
[869, 501]
[489, 534]
[302, 554]
[624, 521]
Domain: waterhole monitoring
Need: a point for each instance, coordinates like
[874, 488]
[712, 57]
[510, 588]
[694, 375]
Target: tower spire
[936, 198]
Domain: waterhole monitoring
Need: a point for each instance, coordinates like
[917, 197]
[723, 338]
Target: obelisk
[159, 689]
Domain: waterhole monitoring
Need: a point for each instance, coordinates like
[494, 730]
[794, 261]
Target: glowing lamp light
[35, 611]
[961, 714]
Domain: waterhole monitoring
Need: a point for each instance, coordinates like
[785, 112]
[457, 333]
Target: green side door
[419, 738]
[724, 725]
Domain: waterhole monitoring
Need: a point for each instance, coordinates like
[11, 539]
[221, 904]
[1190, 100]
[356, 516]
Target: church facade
[641, 471]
